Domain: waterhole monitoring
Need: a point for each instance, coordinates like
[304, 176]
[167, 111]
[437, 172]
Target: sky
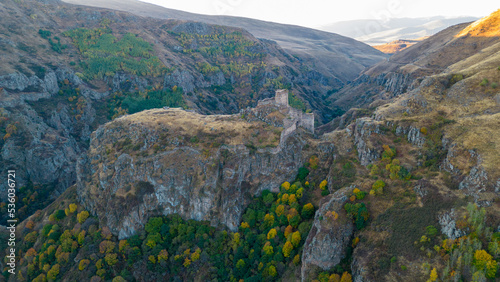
[314, 13]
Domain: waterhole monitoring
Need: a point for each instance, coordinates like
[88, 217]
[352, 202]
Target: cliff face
[328, 239]
[123, 182]
[44, 146]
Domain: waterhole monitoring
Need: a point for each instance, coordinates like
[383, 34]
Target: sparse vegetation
[104, 54]
[484, 82]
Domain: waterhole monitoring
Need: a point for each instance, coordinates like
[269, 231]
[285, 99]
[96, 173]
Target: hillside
[401, 72]
[396, 46]
[126, 172]
[331, 54]
[60, 79]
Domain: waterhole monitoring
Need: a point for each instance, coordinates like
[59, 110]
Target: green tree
[308, 210]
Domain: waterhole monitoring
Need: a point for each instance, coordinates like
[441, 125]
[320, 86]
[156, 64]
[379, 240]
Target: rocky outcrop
[124, 188]
[326, 243]
[447, 221]
[413, 134]
[362, 131]
[41, 153]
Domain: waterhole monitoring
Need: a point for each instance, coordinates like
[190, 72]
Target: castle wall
[287, 132]
[307, 121]
[267, 101]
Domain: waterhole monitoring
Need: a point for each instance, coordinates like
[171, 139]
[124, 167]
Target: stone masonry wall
[282, 97]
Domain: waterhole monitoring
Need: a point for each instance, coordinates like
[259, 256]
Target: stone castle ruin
[293, 118]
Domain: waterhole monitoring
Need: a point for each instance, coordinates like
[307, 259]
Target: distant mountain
[332, 54]
[373, 32]
[397, 45]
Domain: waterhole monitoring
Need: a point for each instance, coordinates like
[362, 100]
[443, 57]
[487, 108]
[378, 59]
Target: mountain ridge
[318, 46]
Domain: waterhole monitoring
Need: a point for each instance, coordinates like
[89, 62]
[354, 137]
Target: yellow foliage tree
[287, 249]
[284, 198]
[346, 277]
[121, 245]
[196, 255]
[72, 208]
[296, 259]
[111, 259]
[271, 234]
[355, 242]
[268, 249]
[286, 185]
[82, 216]
[296, 238]
[433, 277]
[163, 255]
[334, 278]
[83, 264]
[323, 185]
[280, 210]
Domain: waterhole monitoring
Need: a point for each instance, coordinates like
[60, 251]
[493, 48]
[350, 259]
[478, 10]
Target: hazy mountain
[372, 31]
[339, 56]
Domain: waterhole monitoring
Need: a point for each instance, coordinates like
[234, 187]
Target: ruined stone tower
[281, 97]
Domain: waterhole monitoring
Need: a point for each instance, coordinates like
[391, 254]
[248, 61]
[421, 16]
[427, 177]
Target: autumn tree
[433, 277]
[271, 234]
[377, 188]
[111, 259]
[53, 272]
[83, 264]
[296, 238]
[287, 249]
[280, 210]
[323, 185]
[82, 216]
[346, 277]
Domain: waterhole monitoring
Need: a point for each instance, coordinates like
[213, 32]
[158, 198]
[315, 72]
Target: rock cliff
[328, 239]
[173, 161]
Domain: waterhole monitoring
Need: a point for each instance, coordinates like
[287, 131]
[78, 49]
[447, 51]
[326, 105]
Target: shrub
[377, 188]
[423, 130]
[358, 213]
[303, 173]
[484, 82]
[494, 85]
[455, 78]
[59, 214]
